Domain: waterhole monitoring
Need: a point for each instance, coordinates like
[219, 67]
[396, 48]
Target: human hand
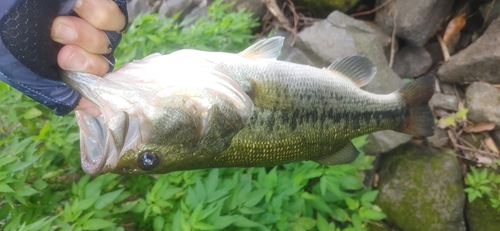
[85, 40]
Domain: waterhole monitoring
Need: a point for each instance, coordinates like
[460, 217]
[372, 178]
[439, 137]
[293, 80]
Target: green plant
[481, 183]
[220, 30]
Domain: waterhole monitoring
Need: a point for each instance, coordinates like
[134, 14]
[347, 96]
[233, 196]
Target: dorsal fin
[264, 49]
[357, 68]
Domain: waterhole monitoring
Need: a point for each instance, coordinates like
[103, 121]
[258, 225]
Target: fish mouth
[101, 140]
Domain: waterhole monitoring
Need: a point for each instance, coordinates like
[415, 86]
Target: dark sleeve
[28, 56]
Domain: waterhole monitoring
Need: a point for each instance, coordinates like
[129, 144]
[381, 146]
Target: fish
[194, 109]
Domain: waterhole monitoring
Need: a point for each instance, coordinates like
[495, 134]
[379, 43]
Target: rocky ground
[421, 180]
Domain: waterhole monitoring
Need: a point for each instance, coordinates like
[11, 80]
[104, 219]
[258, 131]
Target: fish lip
[98, 147]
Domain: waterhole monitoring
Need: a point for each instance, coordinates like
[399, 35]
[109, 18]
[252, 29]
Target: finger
[89, 107]
[102, 14]
[76, 31]
[74, 58]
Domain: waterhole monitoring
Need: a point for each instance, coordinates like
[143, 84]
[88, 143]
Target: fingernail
[64, 33]
[78, 3]
[76, 62]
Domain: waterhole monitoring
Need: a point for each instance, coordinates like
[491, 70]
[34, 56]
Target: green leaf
[255, 197]
[462, 113]
[448, 121]
[107, 199]
[351, 182]
[373, 214]
[251, 210]
[26, 191]
[246, 223]
[203, 226]
[306, 222]
[40, 184]
[158, 223]
[471, 197]
[369, 197]
[351, 203]
[32, 113]
[5, 188]
[97, 224]
[321, 223]
[212, 181]
[225, 221]
[85, 203]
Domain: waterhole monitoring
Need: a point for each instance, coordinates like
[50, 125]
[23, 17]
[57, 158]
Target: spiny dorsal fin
[264, 49]
[357, 68]
[347, 154]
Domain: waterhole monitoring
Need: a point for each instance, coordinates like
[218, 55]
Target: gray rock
[412, 61]
[171, 7]
[448, 102]
[339, 36]
[494, 12]
[415, 22]
[479, 61]
[257, 7]
[385, 40]
[421, 190]
[384, 141]
[483, 102]
[199, 11]
[138, 7]
[439, 139]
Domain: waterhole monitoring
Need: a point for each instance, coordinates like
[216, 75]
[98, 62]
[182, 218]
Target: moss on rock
[421, 190]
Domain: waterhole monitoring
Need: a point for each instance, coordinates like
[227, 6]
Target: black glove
[28, 56]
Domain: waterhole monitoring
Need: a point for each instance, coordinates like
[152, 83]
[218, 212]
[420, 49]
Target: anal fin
[344, 156]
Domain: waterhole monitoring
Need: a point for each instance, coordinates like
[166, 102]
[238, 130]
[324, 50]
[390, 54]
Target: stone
[439, 139]
[171, 7]
[384, 141]
[479, 61]
[448, 102]
[482, 100]
[257, 7]
[201, 10]
[323, 7]
[385, 40]
[494, 12]
[339, 36]
[412, 61]
[138, 7]
[415, 22]
[421, 189]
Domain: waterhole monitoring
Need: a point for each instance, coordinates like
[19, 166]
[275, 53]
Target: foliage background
[42, 186]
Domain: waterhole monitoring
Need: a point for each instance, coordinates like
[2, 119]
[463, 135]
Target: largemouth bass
[194, 109]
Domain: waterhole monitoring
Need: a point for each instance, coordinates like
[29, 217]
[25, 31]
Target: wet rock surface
[478, 62]
[483, 101]
[444, 101]
[421, 189]
[412, 61]
[415, 23]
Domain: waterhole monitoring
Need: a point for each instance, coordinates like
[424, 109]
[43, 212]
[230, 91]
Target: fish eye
[148, 160]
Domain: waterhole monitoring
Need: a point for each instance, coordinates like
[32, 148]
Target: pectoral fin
[346, 155]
